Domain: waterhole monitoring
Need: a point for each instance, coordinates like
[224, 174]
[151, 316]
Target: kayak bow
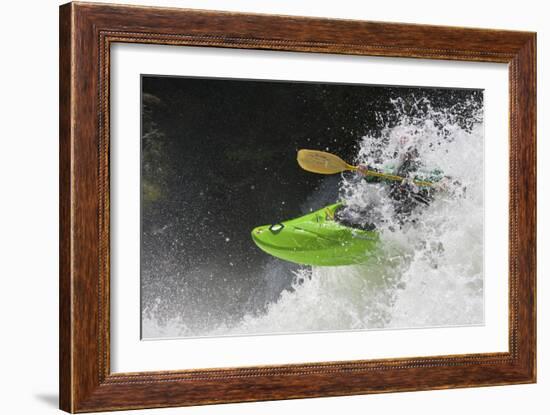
[317, 239]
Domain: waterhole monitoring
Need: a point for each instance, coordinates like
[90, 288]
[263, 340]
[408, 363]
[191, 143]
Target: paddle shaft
[392, 177]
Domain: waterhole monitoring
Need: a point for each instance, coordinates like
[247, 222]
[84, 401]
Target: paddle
[326, 163]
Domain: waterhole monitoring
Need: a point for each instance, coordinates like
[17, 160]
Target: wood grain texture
[86, 33]
[65, 249]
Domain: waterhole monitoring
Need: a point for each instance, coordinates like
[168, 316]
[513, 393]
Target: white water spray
[431, 273]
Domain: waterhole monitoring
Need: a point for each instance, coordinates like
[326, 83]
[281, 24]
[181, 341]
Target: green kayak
[317, 239]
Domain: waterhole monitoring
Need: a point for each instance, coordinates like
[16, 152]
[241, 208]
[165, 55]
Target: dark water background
[219, 158]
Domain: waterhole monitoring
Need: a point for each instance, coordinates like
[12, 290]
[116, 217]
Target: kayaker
[406, 195]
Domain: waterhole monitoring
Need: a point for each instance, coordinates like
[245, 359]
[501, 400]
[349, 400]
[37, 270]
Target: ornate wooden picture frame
[87, 32]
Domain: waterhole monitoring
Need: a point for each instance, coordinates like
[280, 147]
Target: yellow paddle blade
[321, 162]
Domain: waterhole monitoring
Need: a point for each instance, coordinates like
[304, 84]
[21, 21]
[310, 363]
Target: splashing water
[431, 270]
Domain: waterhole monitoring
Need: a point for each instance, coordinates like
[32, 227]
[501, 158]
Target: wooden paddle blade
[321, 162]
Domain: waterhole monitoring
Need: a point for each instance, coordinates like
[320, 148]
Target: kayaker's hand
[451, 187]
[409, 182]
[363, 169]
[443, 185]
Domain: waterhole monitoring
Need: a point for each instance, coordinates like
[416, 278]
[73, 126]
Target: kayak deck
[317, 239]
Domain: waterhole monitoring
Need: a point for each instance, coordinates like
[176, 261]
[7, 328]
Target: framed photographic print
[261, 207]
